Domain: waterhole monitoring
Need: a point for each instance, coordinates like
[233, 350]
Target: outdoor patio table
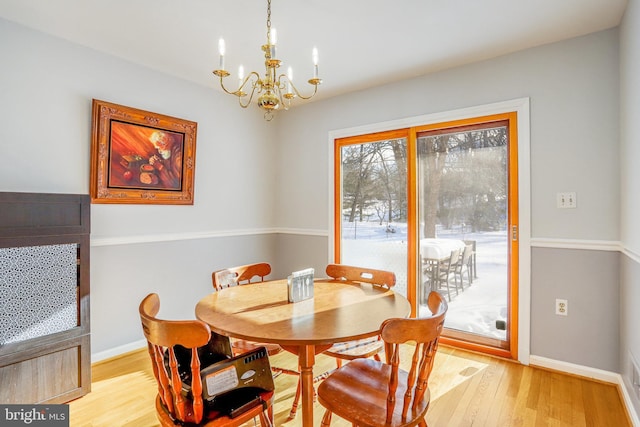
[439, 249]
[433, 251]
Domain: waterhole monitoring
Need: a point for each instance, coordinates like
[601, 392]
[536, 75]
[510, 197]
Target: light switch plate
[567, 200]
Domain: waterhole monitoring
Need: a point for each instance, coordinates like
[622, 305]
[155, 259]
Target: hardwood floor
[467, 389]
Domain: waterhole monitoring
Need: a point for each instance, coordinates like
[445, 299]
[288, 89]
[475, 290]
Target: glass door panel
[463, 223]
[373, 205]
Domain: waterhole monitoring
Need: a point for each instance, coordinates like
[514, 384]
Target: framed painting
[141, 157]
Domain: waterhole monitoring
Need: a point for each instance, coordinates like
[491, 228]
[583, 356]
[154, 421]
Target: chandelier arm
[245, 105]
[246, 80]
[224, 88]
[284, 100]
[297, 93]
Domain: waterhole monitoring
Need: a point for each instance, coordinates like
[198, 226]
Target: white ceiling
[361, 43]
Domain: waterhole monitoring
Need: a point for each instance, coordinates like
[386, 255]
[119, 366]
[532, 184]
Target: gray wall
[630, 187]
[178, 271]
[584, 336]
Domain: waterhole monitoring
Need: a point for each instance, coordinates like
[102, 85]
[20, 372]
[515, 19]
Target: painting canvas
[141, 157]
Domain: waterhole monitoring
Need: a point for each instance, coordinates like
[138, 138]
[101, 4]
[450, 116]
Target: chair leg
[296, 400]
[448, 290]
[266, 420]
[326, 419]
[455, 282]
[276, 370]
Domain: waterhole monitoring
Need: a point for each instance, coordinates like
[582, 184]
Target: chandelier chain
[268, 21]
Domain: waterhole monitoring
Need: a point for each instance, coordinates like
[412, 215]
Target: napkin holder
[300, 285]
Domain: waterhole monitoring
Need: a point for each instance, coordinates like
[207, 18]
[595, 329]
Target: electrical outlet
[562, 307]
[566, 200]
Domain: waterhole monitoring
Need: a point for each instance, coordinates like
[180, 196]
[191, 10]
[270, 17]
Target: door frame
[518, 106]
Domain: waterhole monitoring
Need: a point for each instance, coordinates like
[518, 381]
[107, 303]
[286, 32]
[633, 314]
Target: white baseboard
[117, 351]
[587, 372]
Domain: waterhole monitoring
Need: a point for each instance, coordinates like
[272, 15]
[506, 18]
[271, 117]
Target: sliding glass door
[372, 217]
[465, 219]
[437, 205]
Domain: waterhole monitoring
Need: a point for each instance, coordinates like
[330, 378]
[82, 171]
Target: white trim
[303, 232]
[536, 242]
[524, 228]
[596, 245]
[631, 254]
[117, 351]
[572, 368]
[628, 403]
[593, 373]
[151, 238]
[331, 202]
[521, 107]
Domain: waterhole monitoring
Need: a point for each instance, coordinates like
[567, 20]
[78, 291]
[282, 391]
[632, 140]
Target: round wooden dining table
[339, 311]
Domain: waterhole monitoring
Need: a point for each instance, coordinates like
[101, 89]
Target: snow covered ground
[474, 310]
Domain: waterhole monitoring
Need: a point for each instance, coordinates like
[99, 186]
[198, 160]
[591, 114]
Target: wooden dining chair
[240, 275]
[366, 392]
[244, 275]
[363, 348]
[180, 389]
[366, 347]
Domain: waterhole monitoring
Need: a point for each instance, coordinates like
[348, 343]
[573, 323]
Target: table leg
[306, 359]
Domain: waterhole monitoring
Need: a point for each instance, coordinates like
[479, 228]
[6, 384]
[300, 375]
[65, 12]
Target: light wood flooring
[467, 389]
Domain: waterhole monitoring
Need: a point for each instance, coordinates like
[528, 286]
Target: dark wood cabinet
[45, 351]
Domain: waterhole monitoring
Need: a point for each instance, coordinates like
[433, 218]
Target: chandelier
[274, 91]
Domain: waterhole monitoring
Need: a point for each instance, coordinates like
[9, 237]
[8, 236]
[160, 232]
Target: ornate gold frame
[128, 164]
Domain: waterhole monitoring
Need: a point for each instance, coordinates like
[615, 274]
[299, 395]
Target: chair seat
[353, 392]
[356, 349]
[242, 346]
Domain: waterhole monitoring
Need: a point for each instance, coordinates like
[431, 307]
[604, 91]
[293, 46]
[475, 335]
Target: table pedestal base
[306, 360]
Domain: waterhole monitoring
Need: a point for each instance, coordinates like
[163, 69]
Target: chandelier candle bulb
[221, 49]
[314, 54]
[273, 39]
[240, 76]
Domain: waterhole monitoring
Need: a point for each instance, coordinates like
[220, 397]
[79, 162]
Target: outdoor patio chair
[472, 261]
[464, 264]
[446, 269]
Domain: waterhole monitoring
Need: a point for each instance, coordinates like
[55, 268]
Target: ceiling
[361, 43]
